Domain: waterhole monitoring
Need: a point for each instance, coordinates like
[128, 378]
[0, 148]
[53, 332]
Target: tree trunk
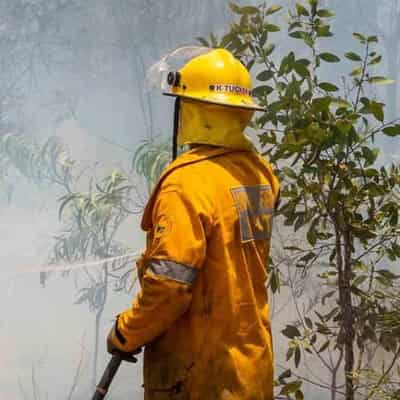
[96, 347]
[99, 314]
[348, 317]
[347, 333]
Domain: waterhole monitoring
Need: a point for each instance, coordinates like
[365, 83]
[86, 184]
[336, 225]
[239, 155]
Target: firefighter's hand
[112, 347]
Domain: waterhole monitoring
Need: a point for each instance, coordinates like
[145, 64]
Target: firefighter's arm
[176, 254]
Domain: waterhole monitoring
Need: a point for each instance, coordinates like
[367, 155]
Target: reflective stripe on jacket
[203, 308]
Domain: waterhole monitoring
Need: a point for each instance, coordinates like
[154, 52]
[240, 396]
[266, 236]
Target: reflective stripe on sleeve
[173, 270]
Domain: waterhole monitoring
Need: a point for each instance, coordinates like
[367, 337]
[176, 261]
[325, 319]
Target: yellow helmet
[215, 77]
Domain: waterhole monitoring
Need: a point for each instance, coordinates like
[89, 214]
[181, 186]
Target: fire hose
[108, 376]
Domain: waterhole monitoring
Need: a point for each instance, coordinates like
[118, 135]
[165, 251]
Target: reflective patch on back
[255, 207]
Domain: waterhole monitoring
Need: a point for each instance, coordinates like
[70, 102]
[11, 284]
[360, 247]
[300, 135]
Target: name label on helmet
[224, 88]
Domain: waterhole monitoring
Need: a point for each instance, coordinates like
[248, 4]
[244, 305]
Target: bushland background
[82, 139]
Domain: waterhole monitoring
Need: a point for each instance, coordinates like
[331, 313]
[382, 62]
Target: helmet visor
[157, 74]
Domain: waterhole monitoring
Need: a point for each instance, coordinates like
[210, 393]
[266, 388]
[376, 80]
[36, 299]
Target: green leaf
[272, 28]
[261, 91]
[234, 7]
[329, 57]
[284, 375]
[225, 40]
[273, 9]
[372, 39]
[243, 10]
[360, 37]
[289, 353]
[291, 332]
[291, 387]
[308, 322]
[324, 31]
[344, 126]
[298, 395]
[301, 10]
[321, 103]
[297, 356]
[299, 222]
[341, 103]
[294, 25]
[370, 155]
[249, 10]
[353, 56]
[359, 280]
[389, 275]
[289, 172]
[312, 237]
[265, 75]
[269, 49]
[323, 329]
[323, 13]
[308, 40]
[213, 40]
[203, 41]
[380, 80]
[250, 64]
[263, 38]
[275, 282]
[301, 69]
[286, 64]
[328, 87]
[392, 131]
[375, 61]
[357, 71]
[297, 34]
[314, 5]
[377, 110]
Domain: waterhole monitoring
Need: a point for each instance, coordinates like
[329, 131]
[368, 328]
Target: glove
[115, 337]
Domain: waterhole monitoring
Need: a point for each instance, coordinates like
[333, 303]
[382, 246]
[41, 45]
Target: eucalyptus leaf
[272, 28]
[393, 130]
[329, 57]
[273, 9]
[380, 80]
[324, 13]
[265, 75]
[291, 332]
[353, 56]
[328, 87]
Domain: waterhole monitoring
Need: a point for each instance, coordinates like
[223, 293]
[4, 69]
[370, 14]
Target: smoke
[76, 70]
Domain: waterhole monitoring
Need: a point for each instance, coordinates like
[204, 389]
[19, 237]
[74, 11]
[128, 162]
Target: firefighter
[202, 313]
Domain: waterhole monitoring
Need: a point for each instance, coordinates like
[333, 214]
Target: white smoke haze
[75, 71]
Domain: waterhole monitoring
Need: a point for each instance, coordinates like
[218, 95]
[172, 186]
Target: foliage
[150, 159]
[321, 135]
[91, 223]
[91, 219]
[44, 165]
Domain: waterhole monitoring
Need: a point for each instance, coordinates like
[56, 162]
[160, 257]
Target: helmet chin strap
[176, 128]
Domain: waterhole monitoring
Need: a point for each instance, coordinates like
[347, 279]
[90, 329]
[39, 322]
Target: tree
[91, 220]
[320, 134]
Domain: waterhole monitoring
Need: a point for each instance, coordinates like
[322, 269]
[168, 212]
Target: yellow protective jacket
[203, 310]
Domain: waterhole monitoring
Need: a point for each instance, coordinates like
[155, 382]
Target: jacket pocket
[166, 376]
